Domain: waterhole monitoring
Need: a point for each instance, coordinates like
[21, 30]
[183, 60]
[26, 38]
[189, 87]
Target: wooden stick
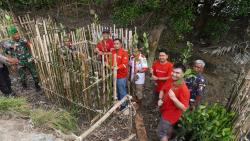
[100, 121]
[115, 78]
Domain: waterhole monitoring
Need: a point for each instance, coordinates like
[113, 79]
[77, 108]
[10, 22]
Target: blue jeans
[121, 89]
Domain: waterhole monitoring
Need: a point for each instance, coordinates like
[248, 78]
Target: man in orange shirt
[122, 69]
[173, 100]
[161, 71]
[106, 45]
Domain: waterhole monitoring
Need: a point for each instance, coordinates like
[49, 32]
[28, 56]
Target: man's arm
[8, 60]
[176, 101]
[200, 91]
[124, 62]
[160, 101]
[163, 78]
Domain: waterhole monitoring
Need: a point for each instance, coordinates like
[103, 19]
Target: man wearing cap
[138, 64]
[196, 83]
[106, 45]
[18, 47]
[5, 83]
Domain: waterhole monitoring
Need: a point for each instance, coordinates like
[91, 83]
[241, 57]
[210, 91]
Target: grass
[60, 120]
[14, 106]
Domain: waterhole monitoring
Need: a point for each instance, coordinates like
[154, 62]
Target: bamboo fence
[239, 103]
[75, 80]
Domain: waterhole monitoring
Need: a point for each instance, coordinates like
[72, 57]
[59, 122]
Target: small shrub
[206, 123]
[186, 53]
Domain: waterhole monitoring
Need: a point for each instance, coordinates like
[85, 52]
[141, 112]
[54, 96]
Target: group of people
[174, 92]
[16, 52]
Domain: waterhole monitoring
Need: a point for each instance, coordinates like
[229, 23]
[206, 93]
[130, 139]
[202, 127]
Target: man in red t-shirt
[173, 100]
[122, 69]
[106, 45]
[161, 72]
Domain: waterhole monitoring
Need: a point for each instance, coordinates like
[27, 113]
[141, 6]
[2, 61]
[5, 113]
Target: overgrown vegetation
[17, 106]
[208, 18]
[206, 123]
[60, 120]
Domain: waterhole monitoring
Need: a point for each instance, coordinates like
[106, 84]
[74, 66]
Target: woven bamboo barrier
[81, 80]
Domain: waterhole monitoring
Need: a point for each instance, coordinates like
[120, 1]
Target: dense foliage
[206, 123]
[208, 18]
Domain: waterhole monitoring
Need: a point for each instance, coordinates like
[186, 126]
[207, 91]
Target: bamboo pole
[100, 121]
[115, 78]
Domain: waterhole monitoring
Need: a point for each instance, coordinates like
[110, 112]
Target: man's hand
[114, 68]
[100, 52]
[171, 95]
[14, 46]
[151, 70]
[160, 102]
[154, 77]
[12, 61]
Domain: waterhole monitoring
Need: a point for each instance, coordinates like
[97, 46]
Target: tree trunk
[154, 38]
[202, 19]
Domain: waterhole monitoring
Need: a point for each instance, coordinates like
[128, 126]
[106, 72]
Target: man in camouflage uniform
[196, 83]
[19, 48]
[67, 51]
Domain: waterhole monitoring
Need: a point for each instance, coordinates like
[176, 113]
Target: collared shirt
[122, 62]
[21, 52]
[138, 64]
[105, 46]
[196, 84]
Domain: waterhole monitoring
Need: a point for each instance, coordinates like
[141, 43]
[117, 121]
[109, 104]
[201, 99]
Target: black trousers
[5, 83]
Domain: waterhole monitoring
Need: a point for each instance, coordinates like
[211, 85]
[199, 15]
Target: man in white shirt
[138, 64]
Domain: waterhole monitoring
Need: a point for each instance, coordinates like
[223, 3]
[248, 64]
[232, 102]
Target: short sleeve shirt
[161, 70]
[168, 110]
[105, 46]
[139, 64]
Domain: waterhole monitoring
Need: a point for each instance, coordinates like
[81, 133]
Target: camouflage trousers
[22, 72]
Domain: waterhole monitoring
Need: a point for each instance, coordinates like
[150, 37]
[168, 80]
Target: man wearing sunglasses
[196, 83]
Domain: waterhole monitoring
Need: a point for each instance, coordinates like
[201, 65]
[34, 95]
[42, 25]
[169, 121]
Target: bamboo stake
[115, 79]
[100, 121]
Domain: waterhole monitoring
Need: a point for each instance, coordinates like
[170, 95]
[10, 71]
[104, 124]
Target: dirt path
[21, 130]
